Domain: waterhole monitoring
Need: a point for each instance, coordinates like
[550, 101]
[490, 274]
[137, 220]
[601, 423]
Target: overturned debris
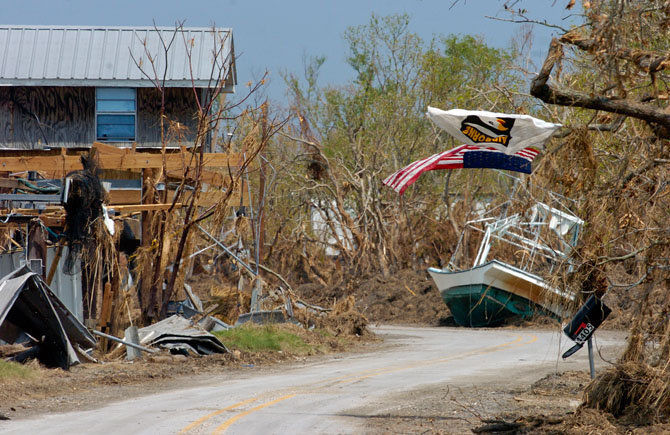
[262, 317]
[32, 315]
[179, 335]
[343, 320]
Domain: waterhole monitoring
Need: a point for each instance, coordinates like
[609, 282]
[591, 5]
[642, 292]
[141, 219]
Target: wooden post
[105, 323]
[115, 281]
[260, 210]
[148, 197]
[37, 245]
[261, 190]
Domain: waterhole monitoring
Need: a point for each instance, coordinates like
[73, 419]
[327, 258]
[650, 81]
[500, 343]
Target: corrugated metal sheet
[66, 287]
[103, 56]
[28, 305]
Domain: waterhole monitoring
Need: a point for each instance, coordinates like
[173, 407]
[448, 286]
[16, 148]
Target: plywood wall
[35, 117]
[180, 108]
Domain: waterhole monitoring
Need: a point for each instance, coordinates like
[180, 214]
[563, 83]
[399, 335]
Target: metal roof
[107, 56]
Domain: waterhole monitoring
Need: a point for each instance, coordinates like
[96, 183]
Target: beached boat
[492, 292]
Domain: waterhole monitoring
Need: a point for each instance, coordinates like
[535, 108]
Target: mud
[549, 405]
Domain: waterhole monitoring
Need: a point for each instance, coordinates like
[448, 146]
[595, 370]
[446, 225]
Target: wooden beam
[210, 177]
[54, 264]
[141, 207]
[31, 211]
[50, 220]
[126, 159]
[134, 196]
[10, 182]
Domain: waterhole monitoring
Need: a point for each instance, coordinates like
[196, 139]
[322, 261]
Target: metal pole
[227, 251]
[127, 343]
[591, 363]
[256, 290]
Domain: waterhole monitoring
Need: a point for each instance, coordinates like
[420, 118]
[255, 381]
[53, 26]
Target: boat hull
[491, 293]
[477, 305]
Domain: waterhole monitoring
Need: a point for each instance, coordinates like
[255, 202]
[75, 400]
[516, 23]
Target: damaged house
[130, 94]
[67, 87]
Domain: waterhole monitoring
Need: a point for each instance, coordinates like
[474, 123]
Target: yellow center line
[224, 426]
[214, 414]
[533, 340]
[363, 374]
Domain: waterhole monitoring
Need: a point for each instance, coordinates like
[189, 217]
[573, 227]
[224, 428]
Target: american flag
[464, 156]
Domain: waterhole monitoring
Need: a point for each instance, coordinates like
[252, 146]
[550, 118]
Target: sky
[277, 35]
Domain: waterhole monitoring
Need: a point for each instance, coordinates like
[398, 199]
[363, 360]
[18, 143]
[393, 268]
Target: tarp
[28, 306]
[509, 133]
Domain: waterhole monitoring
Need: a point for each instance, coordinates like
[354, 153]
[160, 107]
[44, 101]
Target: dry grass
[342, 320]
[632, 390]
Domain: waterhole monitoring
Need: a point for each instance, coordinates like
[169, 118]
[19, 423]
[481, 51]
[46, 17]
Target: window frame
[107, 112]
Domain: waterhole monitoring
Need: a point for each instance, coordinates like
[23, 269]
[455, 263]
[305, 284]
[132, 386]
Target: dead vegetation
[606, 82]
[326, 231]
[622, 179]
[633, 391]
[405, 297]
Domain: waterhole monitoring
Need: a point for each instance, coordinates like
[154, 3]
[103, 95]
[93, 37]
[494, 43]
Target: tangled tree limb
[564, 97]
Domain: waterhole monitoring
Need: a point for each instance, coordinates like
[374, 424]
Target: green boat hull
[477, 305]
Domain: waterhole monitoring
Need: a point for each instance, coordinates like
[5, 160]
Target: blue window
[115, 112]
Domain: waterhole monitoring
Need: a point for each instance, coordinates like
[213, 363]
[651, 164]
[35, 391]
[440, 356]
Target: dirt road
[331, 396]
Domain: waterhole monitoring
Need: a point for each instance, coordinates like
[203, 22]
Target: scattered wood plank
[10, 182]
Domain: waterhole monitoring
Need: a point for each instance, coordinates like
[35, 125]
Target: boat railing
[525, 232]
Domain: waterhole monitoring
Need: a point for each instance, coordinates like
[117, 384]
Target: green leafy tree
[347, 139]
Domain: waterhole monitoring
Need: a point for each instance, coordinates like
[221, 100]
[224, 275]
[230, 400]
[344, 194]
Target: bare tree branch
[552, 95]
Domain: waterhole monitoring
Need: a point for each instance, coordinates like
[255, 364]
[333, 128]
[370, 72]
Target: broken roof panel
[179, 334]
[28, 306]
[106, 56]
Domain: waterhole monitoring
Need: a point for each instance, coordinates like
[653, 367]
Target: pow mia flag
[509, 133]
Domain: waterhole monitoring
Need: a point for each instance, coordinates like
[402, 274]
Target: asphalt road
[315, 398]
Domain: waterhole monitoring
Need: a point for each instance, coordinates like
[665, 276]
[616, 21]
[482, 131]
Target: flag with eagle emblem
[492, 140]
[505, 132]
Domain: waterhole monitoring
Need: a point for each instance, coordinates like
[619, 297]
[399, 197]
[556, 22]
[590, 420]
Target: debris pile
[32, 316]
[121, 267]
[342, 320]
[407, 297]
[634, 390]
[180, 336]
